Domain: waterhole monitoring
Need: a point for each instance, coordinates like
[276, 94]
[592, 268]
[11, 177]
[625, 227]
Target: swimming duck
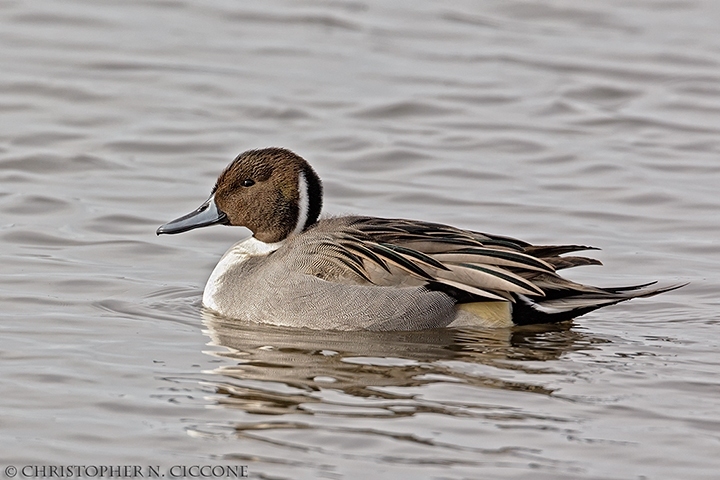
[369, 273]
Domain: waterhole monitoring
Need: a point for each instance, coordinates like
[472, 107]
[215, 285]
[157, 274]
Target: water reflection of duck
[279, 369]
[368, 273]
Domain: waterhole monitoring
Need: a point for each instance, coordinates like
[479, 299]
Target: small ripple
[344, 143]
[277, 113]
[65, 93]
[635, 123]
[700, 87]
[49, 163]
[681, 167]
[158, 147]
[118, 224]
[404, 109]
[318, 20]
[555, 160]
[603, 94]
[45, 139]
[22, 204]
[391, 159]
[648, 198]
[39, 239]
[171, 310]
[15, 107]
[54, 19]
[582, 17]
[706, 146]
[466, 174]
[275, 460]
[481, 99]
[558, 107]
[470, 19]
[684, 60]
[597, 169]
[609, 217]
[514, 145]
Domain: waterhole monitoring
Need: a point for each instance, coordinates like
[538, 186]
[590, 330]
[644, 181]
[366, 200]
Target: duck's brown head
[273, 192]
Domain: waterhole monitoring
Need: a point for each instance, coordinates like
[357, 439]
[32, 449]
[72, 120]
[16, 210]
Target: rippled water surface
[552, 121]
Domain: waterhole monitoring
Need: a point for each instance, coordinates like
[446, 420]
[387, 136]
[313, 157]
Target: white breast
[236, 255]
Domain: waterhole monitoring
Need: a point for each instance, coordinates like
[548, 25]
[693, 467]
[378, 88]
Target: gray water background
[552, 121]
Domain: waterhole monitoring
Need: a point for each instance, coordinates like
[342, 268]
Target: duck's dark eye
[248, 183]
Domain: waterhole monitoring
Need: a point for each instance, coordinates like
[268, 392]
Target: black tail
[565, 305]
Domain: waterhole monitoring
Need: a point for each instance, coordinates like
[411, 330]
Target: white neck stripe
[303, 203]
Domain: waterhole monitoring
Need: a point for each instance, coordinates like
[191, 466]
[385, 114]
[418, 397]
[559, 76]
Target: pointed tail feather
[528, 310]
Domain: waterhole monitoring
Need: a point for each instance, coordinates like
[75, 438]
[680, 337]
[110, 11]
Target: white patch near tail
[541, 308]
[562, 305]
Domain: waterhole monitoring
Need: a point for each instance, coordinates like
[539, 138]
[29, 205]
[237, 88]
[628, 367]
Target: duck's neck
[250, 247]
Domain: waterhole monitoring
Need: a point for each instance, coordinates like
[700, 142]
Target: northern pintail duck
[369, 273]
